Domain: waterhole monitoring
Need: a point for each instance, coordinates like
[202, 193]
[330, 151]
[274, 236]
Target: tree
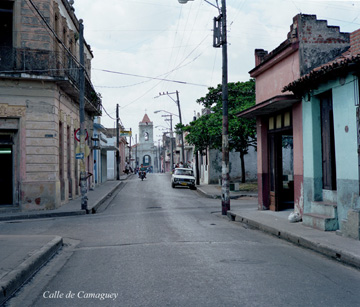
[206, 131]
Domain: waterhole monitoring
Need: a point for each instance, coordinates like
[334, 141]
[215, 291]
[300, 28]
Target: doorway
[6, 175]
[281, 170]
[328, 142]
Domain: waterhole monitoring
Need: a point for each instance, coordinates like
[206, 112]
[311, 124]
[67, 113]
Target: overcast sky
[171, 45]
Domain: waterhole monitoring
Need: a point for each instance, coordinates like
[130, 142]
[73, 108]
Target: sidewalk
[22, 255]
[73, 207]
[276, 223]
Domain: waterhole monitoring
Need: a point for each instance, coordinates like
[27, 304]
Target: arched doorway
[146, 160]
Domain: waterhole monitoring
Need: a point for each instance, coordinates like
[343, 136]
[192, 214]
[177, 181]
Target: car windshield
[184, 172]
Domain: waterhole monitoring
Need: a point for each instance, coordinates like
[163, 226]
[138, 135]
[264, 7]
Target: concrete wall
[215, 166]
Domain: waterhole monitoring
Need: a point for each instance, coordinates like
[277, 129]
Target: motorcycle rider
[142, 169]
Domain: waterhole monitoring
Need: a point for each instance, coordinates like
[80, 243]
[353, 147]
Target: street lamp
[166, 112]
[220, 39]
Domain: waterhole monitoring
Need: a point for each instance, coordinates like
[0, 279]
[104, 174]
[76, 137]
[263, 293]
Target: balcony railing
[57, 65]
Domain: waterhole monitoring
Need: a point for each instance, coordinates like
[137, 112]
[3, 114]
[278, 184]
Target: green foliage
[206, 131]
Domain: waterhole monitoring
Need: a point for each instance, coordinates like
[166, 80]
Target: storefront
[279, 134]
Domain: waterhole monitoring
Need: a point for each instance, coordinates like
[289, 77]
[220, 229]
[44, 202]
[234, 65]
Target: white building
[146, 151]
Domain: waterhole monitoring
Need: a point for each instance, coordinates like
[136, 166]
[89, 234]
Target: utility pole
[130, 149]
[220, 39]
[182, 134]
[171, 143]
[159, 162]
[225, 187]
[177, 102]
[117, 144]
[136, 158]
[83, 185]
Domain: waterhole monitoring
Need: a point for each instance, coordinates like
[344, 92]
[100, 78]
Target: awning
[270, 106]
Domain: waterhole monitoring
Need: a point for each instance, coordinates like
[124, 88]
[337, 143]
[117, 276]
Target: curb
[200, 191]
[334, 253]
[213, 196]
[97, 206]
[41, 215]
[17, 277]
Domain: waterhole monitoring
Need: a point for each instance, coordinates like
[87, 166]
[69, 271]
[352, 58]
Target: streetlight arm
[165, 112]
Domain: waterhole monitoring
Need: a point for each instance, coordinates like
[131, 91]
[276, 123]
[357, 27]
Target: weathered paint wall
[286, 71]
[40, 106]
[262, 164]
[234, 165]
[312, 152]
[298, 158]
[319, 43]
[347, 173]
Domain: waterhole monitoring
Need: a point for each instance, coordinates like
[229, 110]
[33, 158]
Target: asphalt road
[158, 246]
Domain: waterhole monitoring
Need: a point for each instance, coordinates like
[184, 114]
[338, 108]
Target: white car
[183, 177]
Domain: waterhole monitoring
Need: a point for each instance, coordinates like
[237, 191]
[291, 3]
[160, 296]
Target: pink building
[309, 43]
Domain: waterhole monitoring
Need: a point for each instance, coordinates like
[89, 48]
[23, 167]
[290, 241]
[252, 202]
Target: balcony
[51, 66]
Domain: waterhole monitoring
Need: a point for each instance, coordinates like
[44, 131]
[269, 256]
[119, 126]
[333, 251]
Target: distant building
[146, 150]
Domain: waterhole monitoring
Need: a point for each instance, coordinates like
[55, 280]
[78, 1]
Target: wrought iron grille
[58, 65]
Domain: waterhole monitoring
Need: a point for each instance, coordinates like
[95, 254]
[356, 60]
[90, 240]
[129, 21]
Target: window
[280, 121]
[6, 23]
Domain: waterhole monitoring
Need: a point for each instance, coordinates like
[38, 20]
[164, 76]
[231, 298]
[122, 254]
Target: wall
[319, 43]
[286, 71]
[298, 158]
[215, 166]
[347, 171]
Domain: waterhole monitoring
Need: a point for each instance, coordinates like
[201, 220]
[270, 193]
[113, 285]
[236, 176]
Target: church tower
[146, 149]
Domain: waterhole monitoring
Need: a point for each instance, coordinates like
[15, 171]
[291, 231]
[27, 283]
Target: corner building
[39, 103]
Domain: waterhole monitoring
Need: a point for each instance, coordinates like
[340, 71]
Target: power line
[152, 78]
[166, 74]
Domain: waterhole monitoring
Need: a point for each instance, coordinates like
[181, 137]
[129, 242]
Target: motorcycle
[142, 175]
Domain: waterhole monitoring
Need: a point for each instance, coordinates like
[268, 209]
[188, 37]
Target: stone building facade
[39, 103]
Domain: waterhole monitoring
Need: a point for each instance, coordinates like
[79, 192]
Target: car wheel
[172, 185]
[192, 187]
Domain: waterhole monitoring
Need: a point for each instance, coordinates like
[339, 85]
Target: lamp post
[220, 39]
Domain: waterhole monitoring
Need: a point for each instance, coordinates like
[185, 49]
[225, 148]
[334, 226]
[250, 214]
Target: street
[158, 246]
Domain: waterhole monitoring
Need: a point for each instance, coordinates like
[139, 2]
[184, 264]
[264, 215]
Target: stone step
[320, 221]
[9, 209]
[324, 208]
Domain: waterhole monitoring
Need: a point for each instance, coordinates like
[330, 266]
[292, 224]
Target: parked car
[183, 177]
